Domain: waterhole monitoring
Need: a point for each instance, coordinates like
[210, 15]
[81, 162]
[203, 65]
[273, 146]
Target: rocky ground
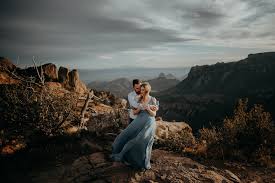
[167, 166]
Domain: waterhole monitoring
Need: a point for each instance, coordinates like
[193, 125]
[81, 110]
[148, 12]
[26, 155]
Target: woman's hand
[154, 107]
[147, 107]
[151, 112]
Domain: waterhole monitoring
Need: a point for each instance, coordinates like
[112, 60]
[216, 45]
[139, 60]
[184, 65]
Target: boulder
[5, 63]
[169, 129]
[73, 78]
[6, 66]
[75, 83]
[63, 74]
[50, 72]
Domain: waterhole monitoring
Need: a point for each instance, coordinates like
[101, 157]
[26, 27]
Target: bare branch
[40, 76]
[20, 78]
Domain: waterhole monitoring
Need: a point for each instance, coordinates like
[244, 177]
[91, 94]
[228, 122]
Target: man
[132, 99]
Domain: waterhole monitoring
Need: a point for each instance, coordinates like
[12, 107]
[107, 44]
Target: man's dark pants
[130, 120]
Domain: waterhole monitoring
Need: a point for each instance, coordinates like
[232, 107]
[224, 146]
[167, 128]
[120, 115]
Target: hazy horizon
[89, 75]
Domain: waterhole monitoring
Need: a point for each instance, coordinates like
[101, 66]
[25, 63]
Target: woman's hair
[147, 88]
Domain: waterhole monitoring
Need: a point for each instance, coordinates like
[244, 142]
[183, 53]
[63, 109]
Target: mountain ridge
[209, 91]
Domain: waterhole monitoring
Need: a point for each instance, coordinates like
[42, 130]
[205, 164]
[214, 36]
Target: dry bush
[177, 142]
[247, 135]
[213, 138]
[210, 136]
[28, 109]
[108, 122]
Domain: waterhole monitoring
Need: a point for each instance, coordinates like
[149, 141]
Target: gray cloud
[67, 30]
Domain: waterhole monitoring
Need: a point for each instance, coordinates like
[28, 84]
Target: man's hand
[136, 111]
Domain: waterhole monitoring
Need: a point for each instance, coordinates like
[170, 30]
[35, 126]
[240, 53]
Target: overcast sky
[135, 33]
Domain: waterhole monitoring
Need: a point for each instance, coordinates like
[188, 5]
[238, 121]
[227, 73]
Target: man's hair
[136, 81]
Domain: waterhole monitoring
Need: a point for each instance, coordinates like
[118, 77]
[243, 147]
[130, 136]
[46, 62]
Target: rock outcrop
[63, 75]
[75, 83]
[6, 64]
[50, 72]
[167, 129]
[70, 80]
[6, 68]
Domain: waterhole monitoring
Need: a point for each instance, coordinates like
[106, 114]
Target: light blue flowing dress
[134, 144]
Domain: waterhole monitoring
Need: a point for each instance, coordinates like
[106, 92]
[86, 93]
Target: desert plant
[177, 142]
[213, 138]
[111, 123]
[210, 136]
[248, 135]
[28, 109]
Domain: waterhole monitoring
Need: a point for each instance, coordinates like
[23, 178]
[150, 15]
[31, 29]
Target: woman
[133, 145]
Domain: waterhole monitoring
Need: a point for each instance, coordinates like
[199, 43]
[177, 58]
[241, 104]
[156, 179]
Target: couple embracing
[133, 145]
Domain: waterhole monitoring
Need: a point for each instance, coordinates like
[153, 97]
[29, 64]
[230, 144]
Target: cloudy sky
[135, 33]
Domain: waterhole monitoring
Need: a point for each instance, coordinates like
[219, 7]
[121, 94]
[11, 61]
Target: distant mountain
[119, 87]
[122, 86]
[163, 82]
[209, 92]
[90, 75]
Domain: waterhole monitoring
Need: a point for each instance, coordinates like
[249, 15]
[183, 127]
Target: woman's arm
[154, 107]
[151, 112]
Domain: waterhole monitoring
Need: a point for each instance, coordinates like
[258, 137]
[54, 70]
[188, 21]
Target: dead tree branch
[40, 75]
[90, 95]
[15, 76]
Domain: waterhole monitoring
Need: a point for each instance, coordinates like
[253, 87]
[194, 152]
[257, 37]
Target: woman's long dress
[134, 144]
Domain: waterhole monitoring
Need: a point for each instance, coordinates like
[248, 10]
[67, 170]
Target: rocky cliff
[211, 91]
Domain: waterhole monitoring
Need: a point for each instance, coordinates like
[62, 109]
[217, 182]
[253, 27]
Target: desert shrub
[248, 135]
[176, 142]
[210, 136]
[113, 122]
[213, 138]
[27, 109]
